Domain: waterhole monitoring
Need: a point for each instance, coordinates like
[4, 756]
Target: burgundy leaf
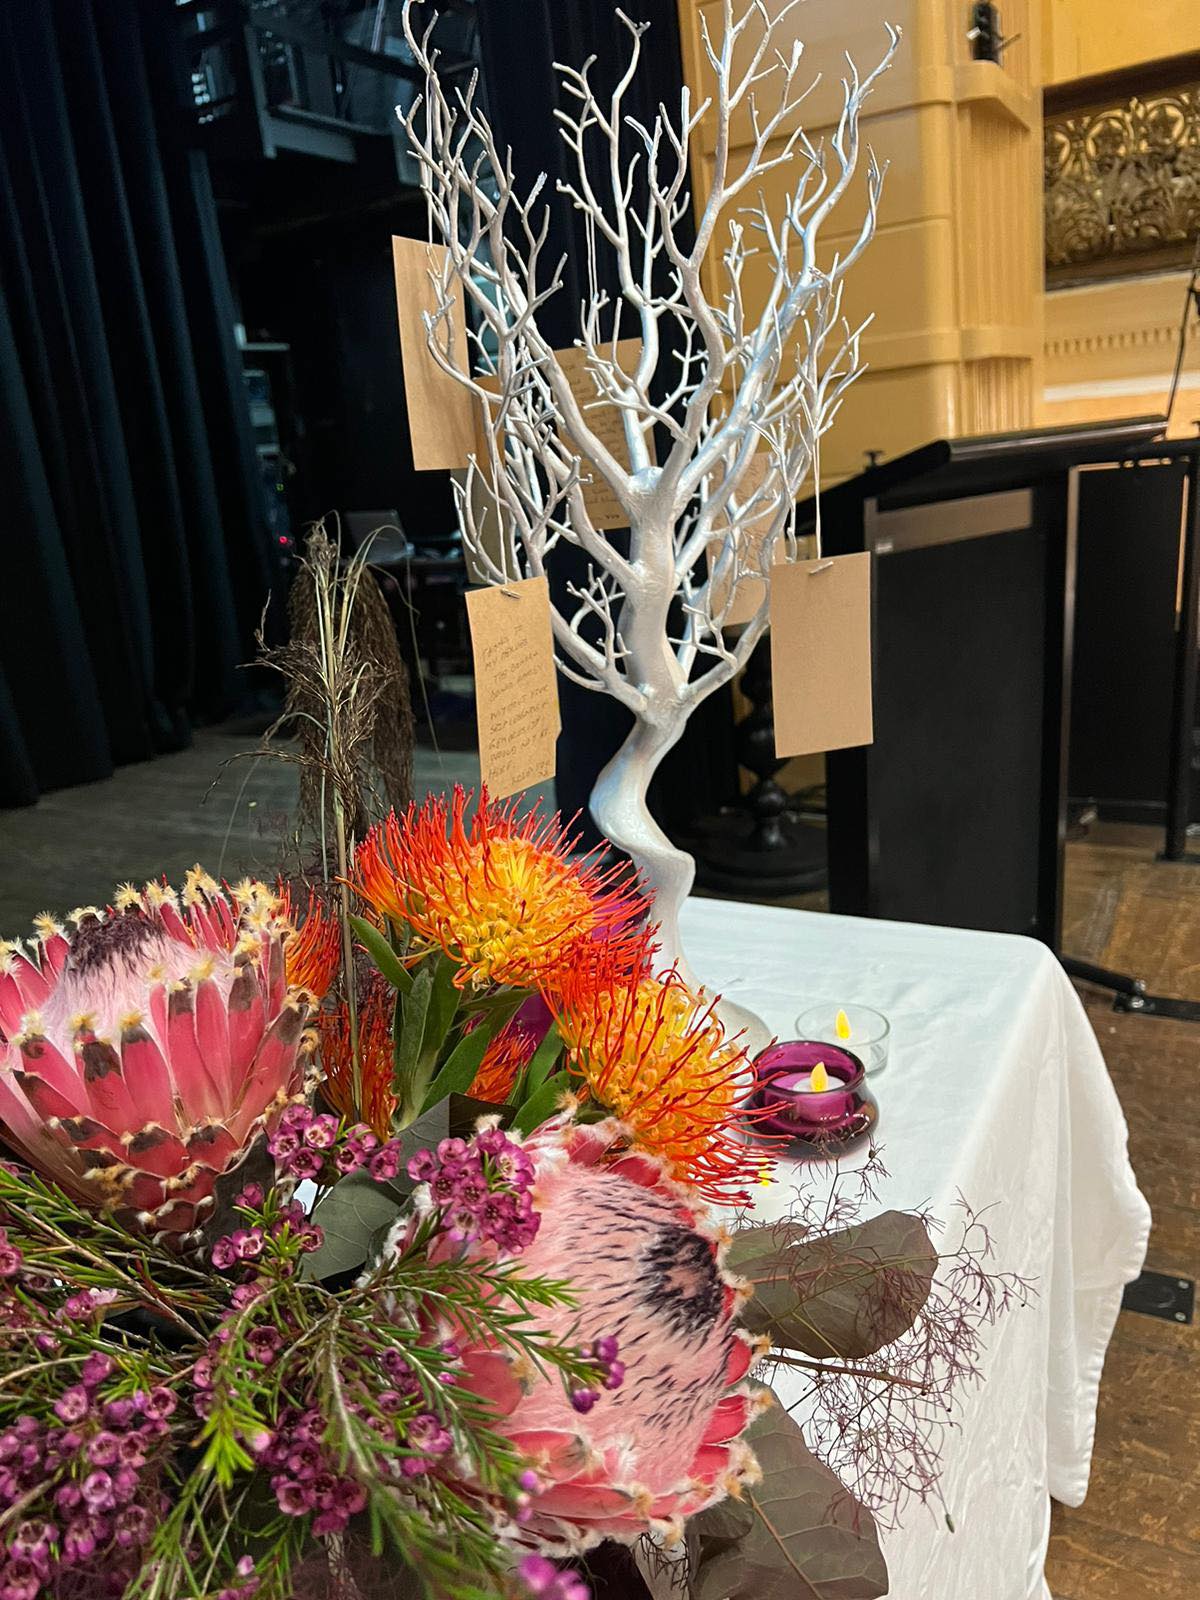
[840, 1295]
[805, 1536]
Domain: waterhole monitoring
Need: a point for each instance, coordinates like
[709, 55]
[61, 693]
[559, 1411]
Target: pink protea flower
[142, 1052]
[644, 1263]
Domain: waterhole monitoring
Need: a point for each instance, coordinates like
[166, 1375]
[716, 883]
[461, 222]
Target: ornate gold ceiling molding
[1122, 180]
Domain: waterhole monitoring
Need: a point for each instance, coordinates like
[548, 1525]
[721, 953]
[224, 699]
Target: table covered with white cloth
[995, 1090]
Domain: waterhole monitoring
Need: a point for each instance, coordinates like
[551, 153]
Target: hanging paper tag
[821, 654]
[607, 422]
[441, 412]
[516, 692]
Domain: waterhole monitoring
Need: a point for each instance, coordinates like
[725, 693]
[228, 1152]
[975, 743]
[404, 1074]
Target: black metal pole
[1183, 715]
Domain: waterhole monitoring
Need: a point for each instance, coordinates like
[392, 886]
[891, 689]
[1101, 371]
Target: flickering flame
[842, 1025]
[819, 1081]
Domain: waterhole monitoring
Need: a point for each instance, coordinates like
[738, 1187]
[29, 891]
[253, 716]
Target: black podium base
[732, 859]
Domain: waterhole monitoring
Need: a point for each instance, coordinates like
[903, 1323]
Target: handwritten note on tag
[821, 654]
[516, 693]
[606, 422]
[441, 412]
[747, 597]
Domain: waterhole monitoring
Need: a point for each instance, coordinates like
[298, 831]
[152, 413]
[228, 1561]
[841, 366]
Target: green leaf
[358, 1208]
[463, 1062]
[353, 1211]
[382, 954]
[542, 1062]
[844, 1294]
[799, 1534]
[539, 1106]
[409, 1033]
[442, 1009]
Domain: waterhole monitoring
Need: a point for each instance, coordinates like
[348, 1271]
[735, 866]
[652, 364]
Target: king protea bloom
[643, 1263]
[143, 1051]
[500, 894]
[655, 1054]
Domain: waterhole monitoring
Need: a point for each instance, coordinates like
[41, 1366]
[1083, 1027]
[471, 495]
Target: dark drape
[136, 560]
[520, 44]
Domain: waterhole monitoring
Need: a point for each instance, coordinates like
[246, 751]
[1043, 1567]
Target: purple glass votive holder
[824, 1123]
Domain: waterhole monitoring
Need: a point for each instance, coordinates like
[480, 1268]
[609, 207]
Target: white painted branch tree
[718, 380]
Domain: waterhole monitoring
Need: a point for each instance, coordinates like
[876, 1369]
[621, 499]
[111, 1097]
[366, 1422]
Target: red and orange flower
[500, 893]
[376, 1101]
[312, 952]
[655, 1054]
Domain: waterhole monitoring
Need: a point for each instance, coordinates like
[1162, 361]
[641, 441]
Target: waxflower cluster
[286, 1225]
[314, 1146]
[304, 1479]
[480, 1188]
[542, 1580]
[609, 1370]
[89, 1480]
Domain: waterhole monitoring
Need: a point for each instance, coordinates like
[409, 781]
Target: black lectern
[957, 813]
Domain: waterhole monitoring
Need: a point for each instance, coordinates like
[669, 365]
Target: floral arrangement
[387, 1236]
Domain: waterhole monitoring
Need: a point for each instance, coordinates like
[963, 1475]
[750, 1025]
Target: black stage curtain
[135, 560]
[520, 44]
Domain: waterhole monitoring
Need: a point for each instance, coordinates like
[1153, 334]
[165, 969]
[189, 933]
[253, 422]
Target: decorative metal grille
[1123, 183]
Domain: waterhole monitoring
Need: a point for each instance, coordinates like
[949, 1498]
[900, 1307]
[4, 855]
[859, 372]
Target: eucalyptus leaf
[382, 954]
[465, 1113]
[800, 1535]
[256, 1166]
[359, 1209]
[354, 1211]
[844, 1294]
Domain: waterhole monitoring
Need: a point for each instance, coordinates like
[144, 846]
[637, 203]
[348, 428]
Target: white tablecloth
[996, 1089]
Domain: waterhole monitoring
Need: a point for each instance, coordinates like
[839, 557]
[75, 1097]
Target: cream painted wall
[1082, 38]
[953, 278]
[1110, 350]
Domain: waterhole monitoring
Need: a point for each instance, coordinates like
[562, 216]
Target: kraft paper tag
[441, 412]
[747, 597]
[516, 691]
[821, 654]
[607, 423]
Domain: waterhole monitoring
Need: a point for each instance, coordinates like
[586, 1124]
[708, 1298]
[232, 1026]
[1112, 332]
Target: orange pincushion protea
[499, 894]
[312, 954]
[377, 1101]
[655, 1054]
[504, 1057]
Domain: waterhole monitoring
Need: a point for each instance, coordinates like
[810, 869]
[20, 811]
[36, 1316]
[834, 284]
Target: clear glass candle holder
[869, 1036]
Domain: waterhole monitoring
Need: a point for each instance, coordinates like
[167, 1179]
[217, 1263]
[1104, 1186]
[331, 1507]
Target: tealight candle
[815, 1082]
[855, 1027]
[815, 1092]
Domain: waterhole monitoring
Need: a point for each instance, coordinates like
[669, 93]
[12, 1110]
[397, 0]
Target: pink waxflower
[73, 1404]
[543, 1580]
[11, 1259]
